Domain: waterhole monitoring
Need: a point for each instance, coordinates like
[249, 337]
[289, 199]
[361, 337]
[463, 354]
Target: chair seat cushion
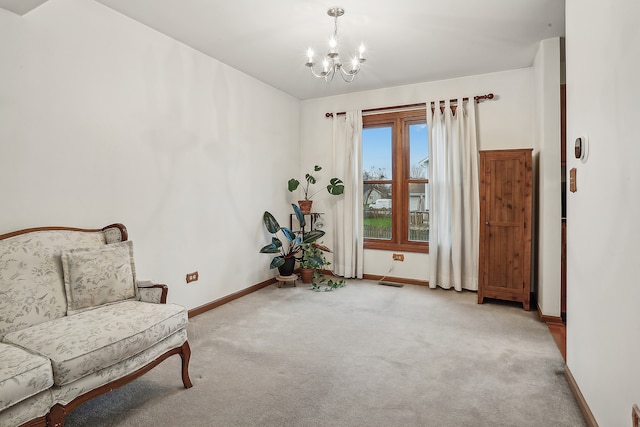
[84, 343]
[22, 375]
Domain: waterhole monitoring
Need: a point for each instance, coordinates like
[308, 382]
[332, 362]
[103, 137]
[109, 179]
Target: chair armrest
[152, 292]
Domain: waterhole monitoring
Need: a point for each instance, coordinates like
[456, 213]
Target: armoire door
[505, 225]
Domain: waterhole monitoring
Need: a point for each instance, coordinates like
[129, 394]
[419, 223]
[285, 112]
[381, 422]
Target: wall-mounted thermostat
[582, 148]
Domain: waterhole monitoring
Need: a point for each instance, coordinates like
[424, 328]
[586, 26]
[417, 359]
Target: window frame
[399, 121]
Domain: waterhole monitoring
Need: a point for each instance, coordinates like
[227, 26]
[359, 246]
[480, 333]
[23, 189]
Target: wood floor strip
[582, 403]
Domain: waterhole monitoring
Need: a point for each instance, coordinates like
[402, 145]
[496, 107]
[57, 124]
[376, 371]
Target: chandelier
[331, 64]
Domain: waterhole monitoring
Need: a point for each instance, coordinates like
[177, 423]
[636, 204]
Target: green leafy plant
[313, 258]
[286, 243]
[321, 284]
[335, 186]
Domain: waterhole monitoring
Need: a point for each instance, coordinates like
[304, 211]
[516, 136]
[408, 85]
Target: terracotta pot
[306, 274]
[305, 206]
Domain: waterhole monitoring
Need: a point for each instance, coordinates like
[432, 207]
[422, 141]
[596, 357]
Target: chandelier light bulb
[325, 66]
[310, 57]
[331, 64]
[361, 57]
[355, 64]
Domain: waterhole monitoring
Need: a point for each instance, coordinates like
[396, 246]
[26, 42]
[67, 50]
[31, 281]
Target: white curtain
[455, 205]
[348, 247]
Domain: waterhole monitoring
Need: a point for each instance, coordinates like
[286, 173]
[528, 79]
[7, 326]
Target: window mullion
[398, 221]
[405, 170]
[394, 186]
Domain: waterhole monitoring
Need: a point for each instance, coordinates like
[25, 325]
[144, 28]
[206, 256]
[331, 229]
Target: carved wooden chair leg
[56, 416]
[185, 354]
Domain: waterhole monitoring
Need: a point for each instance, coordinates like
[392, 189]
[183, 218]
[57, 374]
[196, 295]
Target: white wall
[104, 120]
[603, 227]
[505, 122]
[547, 132]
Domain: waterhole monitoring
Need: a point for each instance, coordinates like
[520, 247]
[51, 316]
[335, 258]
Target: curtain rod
[477, 98]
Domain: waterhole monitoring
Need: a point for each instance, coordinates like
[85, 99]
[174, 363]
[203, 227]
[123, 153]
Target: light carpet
[363, 355]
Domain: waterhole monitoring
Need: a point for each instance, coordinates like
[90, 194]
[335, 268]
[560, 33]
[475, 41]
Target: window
[395, 172]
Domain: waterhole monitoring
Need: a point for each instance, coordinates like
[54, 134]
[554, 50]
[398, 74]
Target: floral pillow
[95, 277]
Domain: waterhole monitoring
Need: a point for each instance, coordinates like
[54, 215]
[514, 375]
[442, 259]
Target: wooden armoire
[504, 268]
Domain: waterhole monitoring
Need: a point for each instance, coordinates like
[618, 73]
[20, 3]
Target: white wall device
[581, 149]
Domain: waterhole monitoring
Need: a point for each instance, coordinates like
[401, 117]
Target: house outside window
[395, 159]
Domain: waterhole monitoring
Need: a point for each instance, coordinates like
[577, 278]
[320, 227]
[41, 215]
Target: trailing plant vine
[321, 284]
[315, 256]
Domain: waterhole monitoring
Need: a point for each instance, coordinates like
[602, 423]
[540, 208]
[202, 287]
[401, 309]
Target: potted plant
[319, 283]
[335, 187]
[286, 252]
[311, 268]
[312, 260]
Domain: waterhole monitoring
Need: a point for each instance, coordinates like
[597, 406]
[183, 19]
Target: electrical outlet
[398, 257]
[192, 277]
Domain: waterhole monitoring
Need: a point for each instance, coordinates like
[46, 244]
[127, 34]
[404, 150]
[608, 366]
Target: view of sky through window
[419, 150]
[376, 152]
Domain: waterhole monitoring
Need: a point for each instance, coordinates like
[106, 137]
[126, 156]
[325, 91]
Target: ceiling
[407, 41]
[20, 6]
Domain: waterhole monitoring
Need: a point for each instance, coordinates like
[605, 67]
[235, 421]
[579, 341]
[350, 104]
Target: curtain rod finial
[479, 98]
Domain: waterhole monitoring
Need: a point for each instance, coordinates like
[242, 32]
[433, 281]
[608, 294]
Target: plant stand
[287, 279]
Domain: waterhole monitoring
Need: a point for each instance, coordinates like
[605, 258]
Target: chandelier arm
[314, 73]
[348, 76]
[329, 77]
